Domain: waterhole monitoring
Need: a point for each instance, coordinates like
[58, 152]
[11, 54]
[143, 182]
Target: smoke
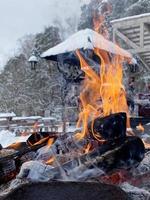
[67, 16]
[31, 16]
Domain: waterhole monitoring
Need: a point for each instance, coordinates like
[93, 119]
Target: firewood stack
[12, 157]
[118, 151]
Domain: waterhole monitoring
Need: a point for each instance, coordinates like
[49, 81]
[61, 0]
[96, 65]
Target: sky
[19, 18]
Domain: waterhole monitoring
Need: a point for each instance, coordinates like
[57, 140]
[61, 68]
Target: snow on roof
[49, 118]
[85, 39]
[33, 58]
[6, 115]
[27, 118]
[131, 17]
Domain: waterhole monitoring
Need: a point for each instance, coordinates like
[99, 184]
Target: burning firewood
[122, 154]
[7, 167]
[14, 155]
[110, 127]
[126, 155]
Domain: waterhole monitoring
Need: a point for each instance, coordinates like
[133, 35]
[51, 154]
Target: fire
[98, 20]
[87, 149]
[15, 146]
[50, 161]
[140, 127]
[147, 145]
[50, 142]
[103, 93]
[39, 142]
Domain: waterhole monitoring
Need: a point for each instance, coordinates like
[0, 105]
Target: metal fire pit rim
[58, 183]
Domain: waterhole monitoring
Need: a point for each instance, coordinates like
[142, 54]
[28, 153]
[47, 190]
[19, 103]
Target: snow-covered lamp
[33, 60]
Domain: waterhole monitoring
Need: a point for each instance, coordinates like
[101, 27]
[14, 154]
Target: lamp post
[33, 60]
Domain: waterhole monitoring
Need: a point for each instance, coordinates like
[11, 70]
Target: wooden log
[123, 154]
[10, 164]
[109, 127]
[129, 154]
[26, 148]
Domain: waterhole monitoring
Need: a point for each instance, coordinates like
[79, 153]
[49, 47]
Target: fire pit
[67, 191]
[100, 146]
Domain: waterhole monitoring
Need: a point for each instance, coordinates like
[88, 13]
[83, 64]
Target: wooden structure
[134, 31]
[31, 123]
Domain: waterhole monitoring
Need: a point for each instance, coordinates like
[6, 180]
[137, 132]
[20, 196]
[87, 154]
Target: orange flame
[50, 161]
[39, 142]
[103, 93]
[87, 148]
[147, 145]
[140, 127]
[50, 142]
[99, 20]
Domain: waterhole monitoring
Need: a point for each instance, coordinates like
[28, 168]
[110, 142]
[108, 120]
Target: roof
[135, 32]
[33, 58]
[49, 119]
[28, 118]
[134, 17]
[7, 115]
[84, 39]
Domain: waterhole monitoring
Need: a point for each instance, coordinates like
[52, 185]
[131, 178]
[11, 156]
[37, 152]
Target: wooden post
[142, 35]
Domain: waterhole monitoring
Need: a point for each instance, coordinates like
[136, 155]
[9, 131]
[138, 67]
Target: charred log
[124, 154]
[7, 171]
[127, 155]
[22, 152]
[10, 163]
[110, 127]
[41, 137]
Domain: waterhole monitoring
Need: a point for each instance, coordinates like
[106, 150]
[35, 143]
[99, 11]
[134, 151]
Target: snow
[131, 17]
[86, 39]
[146, 77]
[7, 138]
[134, 61]
[28, 118]
[49, 119]
[5, 115]
[33, 59]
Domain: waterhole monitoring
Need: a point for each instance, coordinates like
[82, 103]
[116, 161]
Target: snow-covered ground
[7, 138]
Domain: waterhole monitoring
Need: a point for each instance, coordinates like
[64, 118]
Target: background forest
[29, 92]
